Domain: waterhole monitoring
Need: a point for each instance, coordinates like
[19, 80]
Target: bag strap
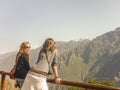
[39, 57]
[49, 73]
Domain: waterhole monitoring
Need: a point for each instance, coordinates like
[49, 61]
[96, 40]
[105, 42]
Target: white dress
[34, 82]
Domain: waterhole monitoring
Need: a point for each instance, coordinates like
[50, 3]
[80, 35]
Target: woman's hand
[58, 80]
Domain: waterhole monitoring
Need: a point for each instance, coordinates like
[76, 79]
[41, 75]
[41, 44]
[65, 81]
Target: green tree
[74, 88]
[94, 81]
[107, 82]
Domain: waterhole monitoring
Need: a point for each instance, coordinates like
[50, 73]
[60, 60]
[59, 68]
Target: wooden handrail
[4, 72]
[85, 85]
[64, 82]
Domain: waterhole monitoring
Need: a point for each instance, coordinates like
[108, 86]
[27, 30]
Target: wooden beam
[64, 82]
[3, 81]
[85, 85]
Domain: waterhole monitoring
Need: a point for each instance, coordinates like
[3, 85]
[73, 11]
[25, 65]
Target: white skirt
[33, 82]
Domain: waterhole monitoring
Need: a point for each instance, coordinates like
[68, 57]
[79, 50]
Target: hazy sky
[36, 20]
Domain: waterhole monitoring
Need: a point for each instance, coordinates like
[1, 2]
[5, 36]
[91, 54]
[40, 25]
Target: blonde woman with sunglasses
[22, 63]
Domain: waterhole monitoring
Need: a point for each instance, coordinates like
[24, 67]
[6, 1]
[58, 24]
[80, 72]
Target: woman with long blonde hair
[22, 63]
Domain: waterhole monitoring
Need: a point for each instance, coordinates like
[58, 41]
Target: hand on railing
[58, 80]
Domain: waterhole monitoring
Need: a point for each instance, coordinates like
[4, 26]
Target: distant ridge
[82, 59]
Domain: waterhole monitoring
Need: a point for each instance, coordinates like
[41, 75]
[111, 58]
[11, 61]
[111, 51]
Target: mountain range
[82, 59]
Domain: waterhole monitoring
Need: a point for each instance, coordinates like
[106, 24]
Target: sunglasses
[28, 47]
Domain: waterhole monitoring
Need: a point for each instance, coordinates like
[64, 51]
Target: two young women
[36, 77]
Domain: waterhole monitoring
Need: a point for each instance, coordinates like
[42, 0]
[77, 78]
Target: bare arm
[57, 79]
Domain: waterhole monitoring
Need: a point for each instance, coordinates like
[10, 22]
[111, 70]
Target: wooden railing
[63, 82]
[3, 81]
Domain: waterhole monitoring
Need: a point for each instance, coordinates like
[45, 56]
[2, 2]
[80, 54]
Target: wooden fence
[64, 82]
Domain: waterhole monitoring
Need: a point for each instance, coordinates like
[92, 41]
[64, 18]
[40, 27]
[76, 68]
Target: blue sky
[64, 20]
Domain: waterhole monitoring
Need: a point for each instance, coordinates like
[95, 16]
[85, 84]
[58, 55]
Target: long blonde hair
[49, 45]
[21, 50]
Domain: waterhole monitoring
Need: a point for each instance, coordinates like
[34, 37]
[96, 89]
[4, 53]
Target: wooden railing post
[3, 82]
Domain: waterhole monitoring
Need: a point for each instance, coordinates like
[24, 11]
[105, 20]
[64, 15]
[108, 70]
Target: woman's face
[27, 48]
[52, 46]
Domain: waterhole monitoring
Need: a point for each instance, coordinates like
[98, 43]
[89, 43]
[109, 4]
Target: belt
[38, 72]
